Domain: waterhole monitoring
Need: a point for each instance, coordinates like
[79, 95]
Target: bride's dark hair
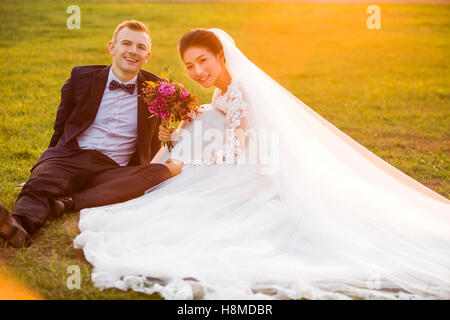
[199, 37]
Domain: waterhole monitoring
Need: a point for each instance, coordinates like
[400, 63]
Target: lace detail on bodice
[233, 105]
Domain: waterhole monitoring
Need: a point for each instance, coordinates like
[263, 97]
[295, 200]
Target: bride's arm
[235, 133]
[158, 155]
[167, 135]
[183, 125]
[164, 135]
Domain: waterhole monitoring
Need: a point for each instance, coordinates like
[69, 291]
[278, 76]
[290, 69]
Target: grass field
[388, 89]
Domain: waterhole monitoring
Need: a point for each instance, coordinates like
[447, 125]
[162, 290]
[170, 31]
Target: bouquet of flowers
[171, 102]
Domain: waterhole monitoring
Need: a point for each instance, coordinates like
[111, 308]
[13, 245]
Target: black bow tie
[113, 85]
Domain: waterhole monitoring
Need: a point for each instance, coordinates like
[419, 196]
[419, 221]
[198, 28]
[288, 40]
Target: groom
[102, 144]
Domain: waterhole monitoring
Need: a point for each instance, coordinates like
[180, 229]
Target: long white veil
[358, 215]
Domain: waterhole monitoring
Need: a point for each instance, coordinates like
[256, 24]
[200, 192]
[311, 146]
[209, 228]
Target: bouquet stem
[169, 144]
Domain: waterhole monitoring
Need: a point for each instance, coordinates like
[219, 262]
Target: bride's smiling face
[203, 66]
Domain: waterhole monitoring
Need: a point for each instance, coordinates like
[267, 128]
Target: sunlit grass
[388, 89]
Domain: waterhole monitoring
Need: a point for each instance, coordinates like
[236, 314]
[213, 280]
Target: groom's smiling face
[130, 50]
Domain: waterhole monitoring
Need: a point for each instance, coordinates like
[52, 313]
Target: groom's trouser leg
[53, 178]
[88, 170]
[119, 184]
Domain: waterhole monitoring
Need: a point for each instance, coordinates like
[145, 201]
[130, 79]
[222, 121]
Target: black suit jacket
[80, 100]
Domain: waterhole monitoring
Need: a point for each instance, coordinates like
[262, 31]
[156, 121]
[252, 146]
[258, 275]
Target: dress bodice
[232, 104]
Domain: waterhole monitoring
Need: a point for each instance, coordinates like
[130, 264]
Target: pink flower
[184, 93]
[166, 89]
[158, 107]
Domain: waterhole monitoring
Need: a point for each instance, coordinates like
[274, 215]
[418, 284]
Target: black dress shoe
[12, 231]
[62, 205]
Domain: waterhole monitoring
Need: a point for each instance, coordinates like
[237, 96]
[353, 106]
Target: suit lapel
[141, 108]
[144, 124]
[97, 90]
[90, 107]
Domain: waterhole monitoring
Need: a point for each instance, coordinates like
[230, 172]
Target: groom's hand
[174, 166]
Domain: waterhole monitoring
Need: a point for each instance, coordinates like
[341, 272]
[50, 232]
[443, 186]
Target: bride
[280, 205]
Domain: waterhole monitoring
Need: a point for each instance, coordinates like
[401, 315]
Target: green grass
[388, 89]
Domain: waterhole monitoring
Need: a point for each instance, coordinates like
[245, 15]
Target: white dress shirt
[114, 130]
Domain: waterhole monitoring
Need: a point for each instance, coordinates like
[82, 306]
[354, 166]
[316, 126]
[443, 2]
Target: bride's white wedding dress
[323, 219]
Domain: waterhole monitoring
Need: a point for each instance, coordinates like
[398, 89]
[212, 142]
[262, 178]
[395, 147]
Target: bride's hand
[172, 134]
[165, 134]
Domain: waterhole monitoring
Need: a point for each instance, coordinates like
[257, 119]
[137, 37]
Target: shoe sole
[20, 238]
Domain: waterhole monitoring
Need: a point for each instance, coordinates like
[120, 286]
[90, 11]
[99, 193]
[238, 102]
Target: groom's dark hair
[199, 37]
[133, 25]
